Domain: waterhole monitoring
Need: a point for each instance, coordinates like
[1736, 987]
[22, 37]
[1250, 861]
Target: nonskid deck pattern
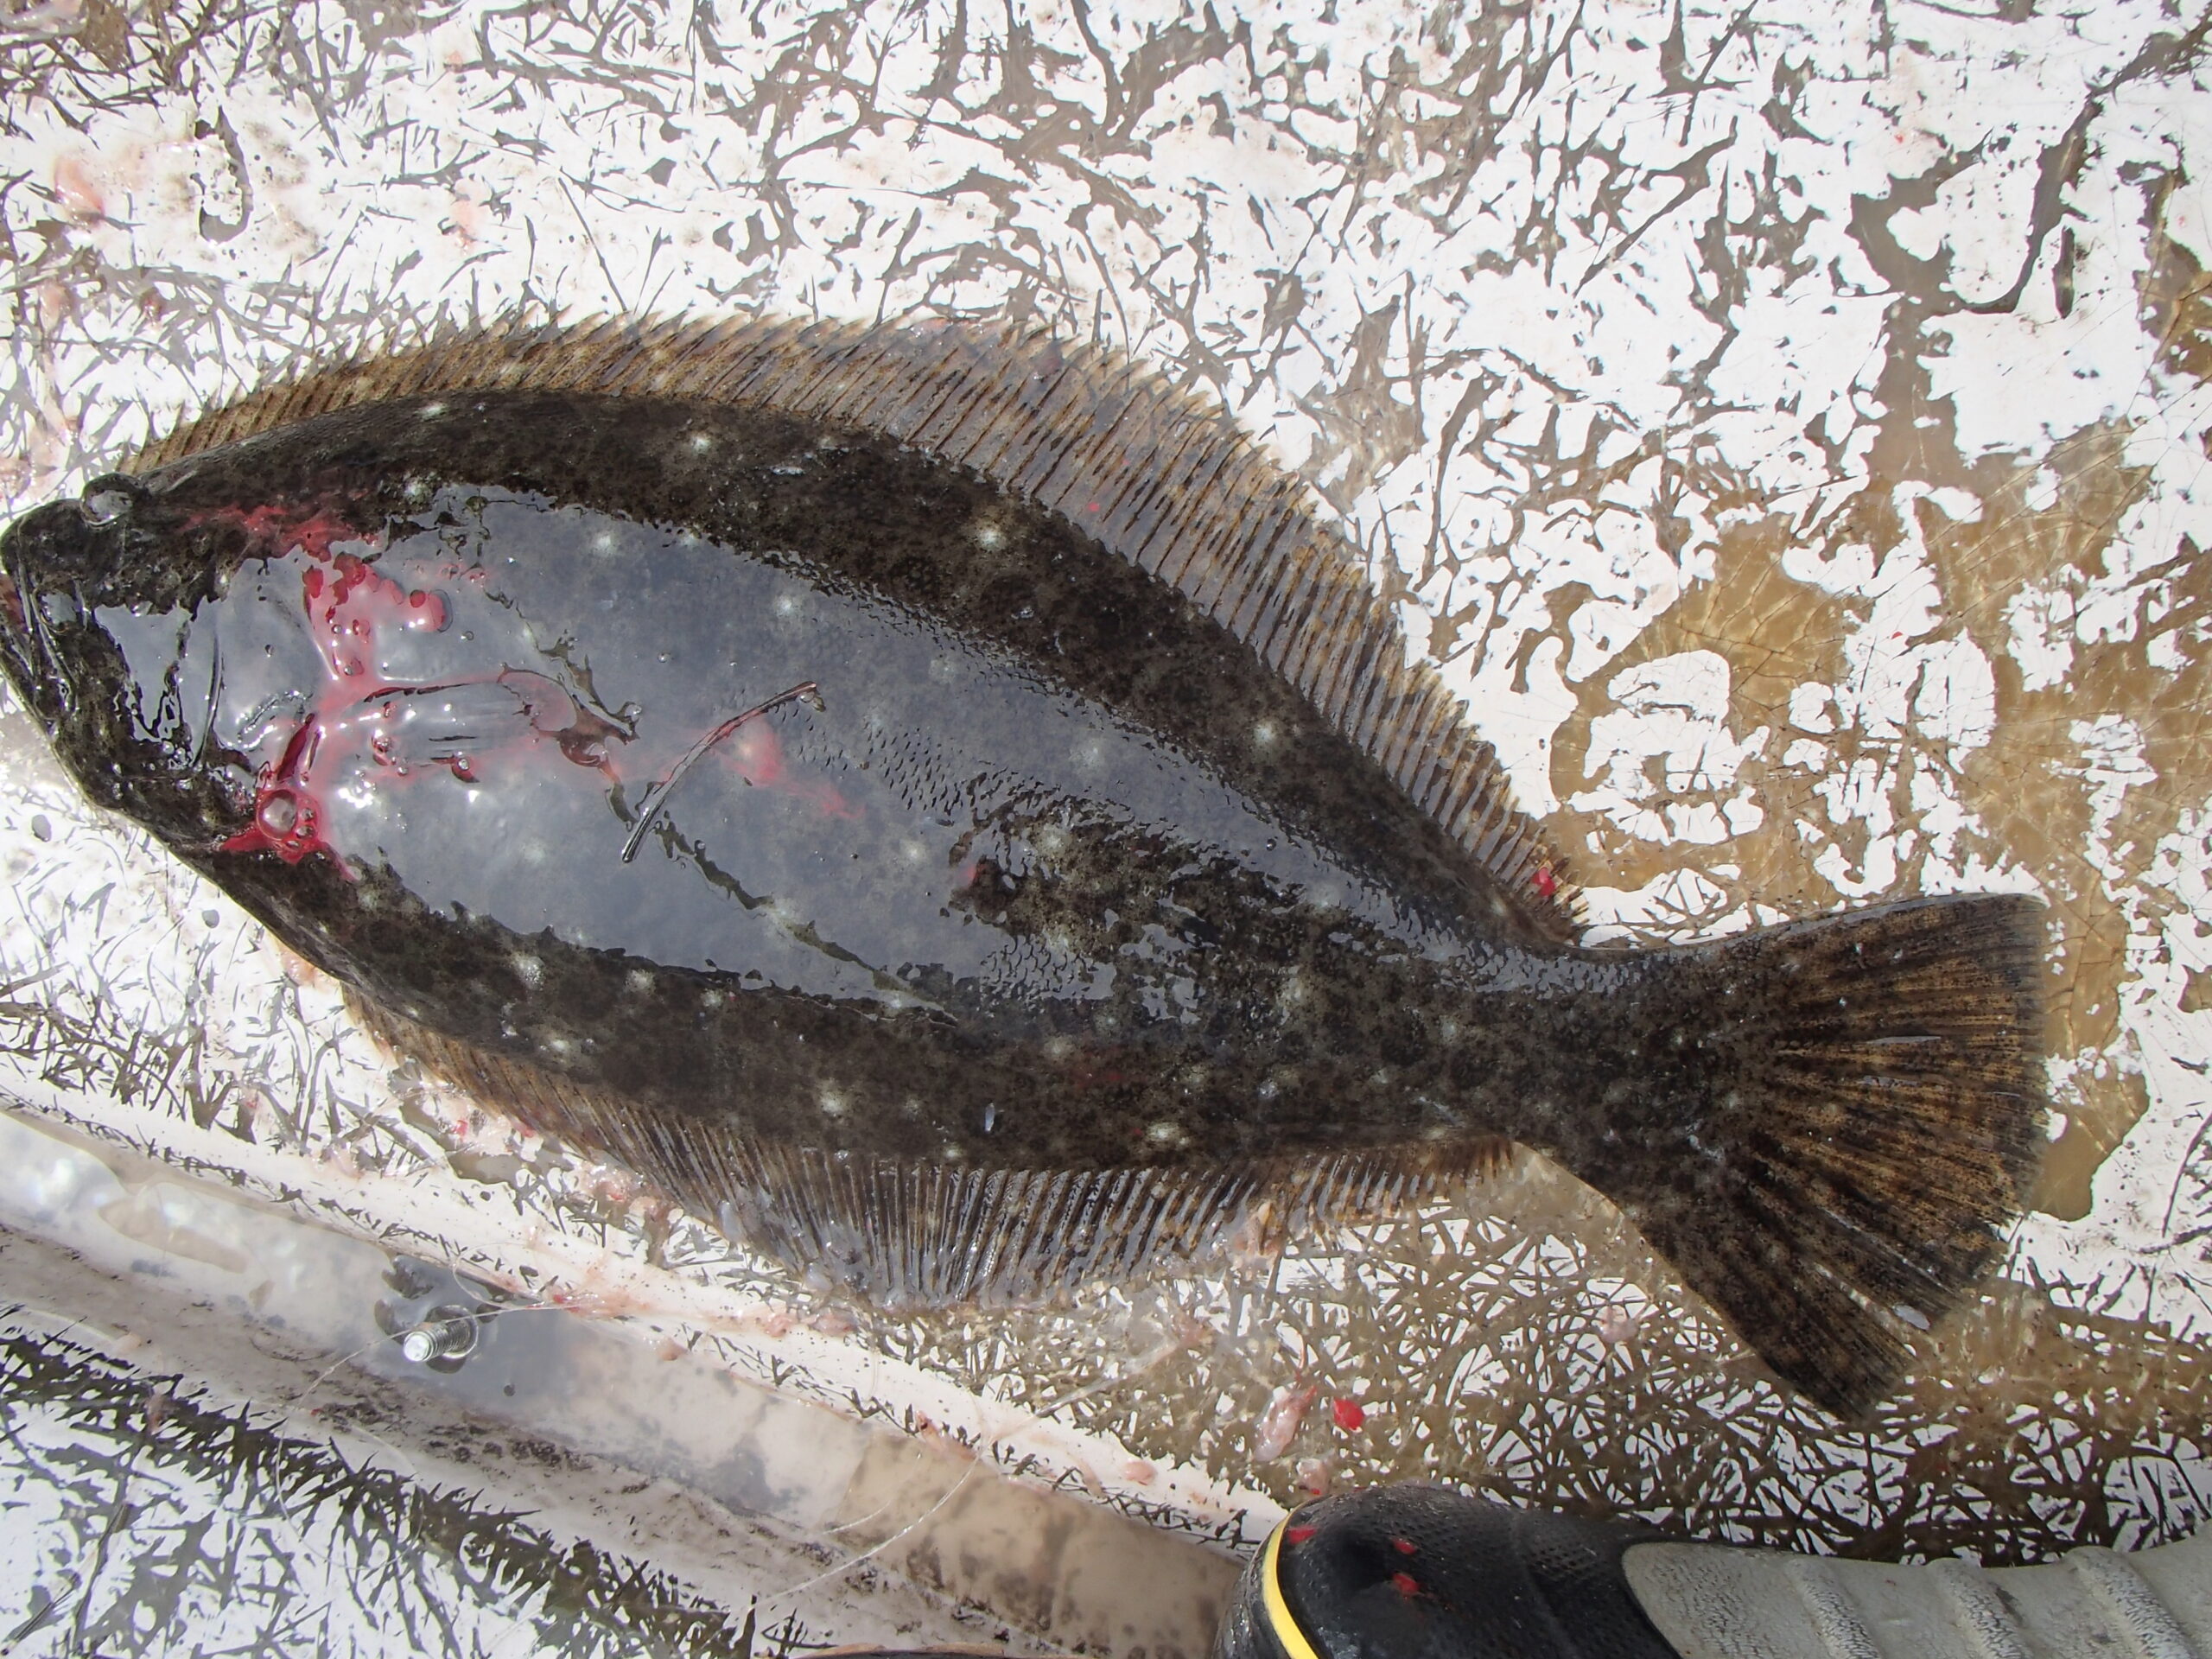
[1765, 415]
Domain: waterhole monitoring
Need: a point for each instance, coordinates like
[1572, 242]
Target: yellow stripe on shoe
[1282, 1625]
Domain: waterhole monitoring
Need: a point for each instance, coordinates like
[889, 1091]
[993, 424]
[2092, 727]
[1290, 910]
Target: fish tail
[1829, 1127]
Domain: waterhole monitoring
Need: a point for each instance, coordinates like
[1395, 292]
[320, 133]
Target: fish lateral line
[806, 691]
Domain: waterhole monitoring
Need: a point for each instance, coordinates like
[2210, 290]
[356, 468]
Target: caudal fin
[1835, 1123]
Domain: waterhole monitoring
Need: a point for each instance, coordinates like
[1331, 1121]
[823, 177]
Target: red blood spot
[349, 604]
[1090, 506]
[1300, 1534]
[1407, 1583]
[1403, 1546]
[352, 603]
[287, 817]
[1350, 1415]
[312, 531]
[757, 754]
[1545, 883]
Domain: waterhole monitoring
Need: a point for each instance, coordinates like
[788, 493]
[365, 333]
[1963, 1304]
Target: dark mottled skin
[1221, 932]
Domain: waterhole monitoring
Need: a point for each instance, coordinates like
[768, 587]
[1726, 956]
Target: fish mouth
[51, 557]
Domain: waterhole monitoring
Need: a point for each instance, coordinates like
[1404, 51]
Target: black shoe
[1421, 1572]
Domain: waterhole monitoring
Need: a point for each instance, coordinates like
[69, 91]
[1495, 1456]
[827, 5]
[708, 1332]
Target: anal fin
[900, 1234]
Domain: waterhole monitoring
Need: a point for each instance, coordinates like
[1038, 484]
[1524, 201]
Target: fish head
[60, 565]
[96, 613]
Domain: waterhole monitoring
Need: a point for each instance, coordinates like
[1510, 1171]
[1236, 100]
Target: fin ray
[934, 1233]
[1867, 1128]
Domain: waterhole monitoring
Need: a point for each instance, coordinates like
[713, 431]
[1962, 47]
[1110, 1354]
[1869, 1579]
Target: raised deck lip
[869, 1488]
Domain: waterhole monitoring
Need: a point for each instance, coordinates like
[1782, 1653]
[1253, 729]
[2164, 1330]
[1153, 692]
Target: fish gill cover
[1644, 569]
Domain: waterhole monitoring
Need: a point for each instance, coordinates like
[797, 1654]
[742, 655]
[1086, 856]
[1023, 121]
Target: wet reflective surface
[1787, 432]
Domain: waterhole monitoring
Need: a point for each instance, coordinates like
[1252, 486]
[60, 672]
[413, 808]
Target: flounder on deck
[942, 803]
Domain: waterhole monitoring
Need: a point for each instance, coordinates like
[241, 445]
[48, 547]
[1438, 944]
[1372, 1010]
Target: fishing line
[656, 798]
[843, 1567]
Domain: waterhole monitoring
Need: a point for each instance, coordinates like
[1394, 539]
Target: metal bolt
[447, 1333]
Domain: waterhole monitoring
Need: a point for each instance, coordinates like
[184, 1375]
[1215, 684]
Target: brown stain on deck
[2031, 790]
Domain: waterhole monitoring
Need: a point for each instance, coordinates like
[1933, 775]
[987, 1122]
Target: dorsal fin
[934, 1233]
[1156, 475]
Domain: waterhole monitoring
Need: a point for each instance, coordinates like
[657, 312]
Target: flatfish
[942, 804]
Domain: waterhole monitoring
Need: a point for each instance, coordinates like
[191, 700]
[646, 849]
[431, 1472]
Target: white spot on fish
[639, 982]
[1166, 1134]
[991, 1118]
[833, 1105]
[431, 411]
[988, 535]
[528, 969]
[1263, 735]
[787, 605]
[604, 542]
[702, 442]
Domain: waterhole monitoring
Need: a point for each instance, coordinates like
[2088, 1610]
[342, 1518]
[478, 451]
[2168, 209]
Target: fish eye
[107, 497]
